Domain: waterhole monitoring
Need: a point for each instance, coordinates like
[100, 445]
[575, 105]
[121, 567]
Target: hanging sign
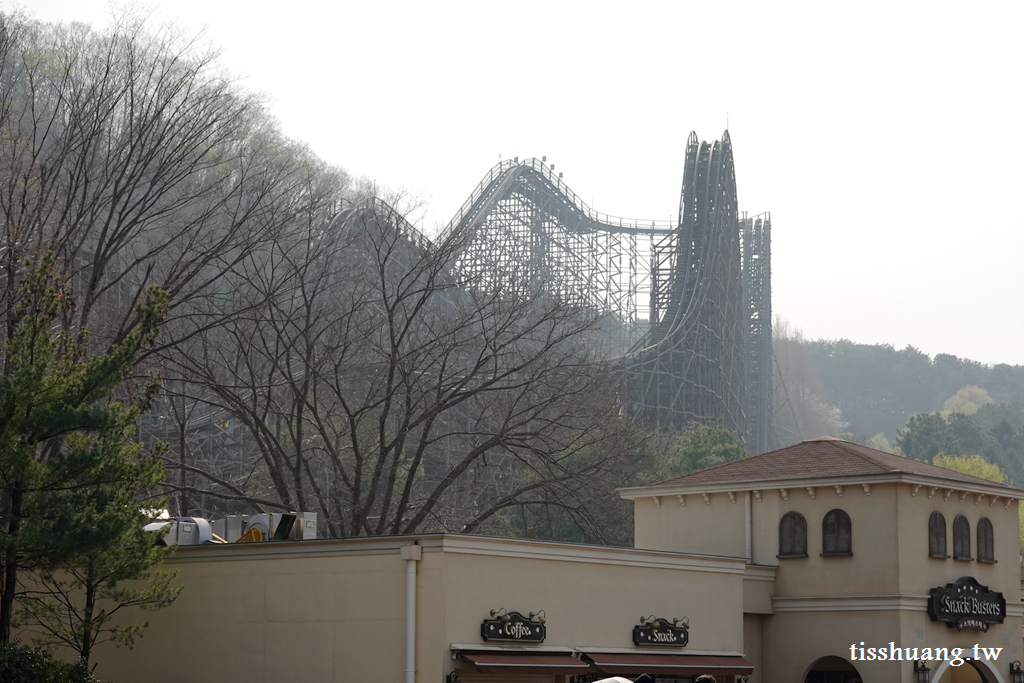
[661, 631]
[514, 627]
[966, 604]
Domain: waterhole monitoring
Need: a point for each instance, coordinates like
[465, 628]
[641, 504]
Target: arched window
[793, 535]
[986, 553]
[937, 535]
[836, 534]
[961, 538]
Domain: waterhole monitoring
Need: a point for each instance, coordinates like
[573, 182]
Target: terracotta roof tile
[822, 457]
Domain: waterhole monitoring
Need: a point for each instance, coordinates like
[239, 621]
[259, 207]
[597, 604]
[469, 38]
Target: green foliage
[967, 401]
[978, 466]
[29, 665]
[880, 443]
[880, 387]
[974, 465]
[988, 444]
[697, 447]
[1020, 526]
[877, 386]
[71, 473]
[995, 432]
[925, 436]
[1004, 424]
[73, 601]
[967, 433]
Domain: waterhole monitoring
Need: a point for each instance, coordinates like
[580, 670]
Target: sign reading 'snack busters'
[513, 626]
[966, 604]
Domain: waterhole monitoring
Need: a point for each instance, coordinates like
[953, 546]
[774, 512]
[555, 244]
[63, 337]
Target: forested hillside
[878, 387]
[900, 400]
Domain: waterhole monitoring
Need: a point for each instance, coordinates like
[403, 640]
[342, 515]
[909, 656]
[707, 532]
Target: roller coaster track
[501, 179]
[690, 299]
[691, 366]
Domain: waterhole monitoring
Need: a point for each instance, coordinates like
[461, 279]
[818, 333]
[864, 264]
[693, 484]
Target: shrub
[23, 664]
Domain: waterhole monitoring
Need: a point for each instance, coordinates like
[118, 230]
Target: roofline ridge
[844, 445]
[887, 476]
[860, 451]
[748, 458]
[943, 469]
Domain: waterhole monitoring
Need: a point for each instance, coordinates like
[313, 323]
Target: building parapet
[463, 544]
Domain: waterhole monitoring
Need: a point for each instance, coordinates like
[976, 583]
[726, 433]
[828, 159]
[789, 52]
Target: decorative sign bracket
[661, 631]
[514, 627]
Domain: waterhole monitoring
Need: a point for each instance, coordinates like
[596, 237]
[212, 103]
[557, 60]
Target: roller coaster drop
[691, 300]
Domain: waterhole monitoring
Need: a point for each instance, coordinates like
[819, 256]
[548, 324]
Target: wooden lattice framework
[690, 300]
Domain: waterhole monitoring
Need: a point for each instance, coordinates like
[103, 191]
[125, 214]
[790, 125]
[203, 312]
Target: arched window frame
[836, 534]
[961, 538]
[937, 536]
[986, 544]
[792, 535]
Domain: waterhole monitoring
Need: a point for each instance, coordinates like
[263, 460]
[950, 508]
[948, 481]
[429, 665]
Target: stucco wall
[819, 605]
[793, 641]
[919, 572]
[714, 528]
[244, 618]
[595, 603]
[334, 610]
[752, 625]
[870, 570]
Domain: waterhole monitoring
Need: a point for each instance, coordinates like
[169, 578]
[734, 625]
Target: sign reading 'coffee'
[966, 604]
[661, 631]
[513, 627]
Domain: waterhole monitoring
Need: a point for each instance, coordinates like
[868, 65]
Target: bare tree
[208, 441]
[390, 394]
[801, 408]
[127, 155]
[315, 356]
[130, 159]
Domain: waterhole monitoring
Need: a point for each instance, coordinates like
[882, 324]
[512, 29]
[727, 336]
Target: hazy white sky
[885, 137]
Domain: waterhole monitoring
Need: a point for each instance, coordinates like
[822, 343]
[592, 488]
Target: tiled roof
[821, 457]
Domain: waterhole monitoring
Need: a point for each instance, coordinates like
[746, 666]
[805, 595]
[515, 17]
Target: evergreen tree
[72, 602]
[697, 447]
[925, 436]
[67, 469]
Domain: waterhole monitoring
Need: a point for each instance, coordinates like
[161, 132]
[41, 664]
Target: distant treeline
[878, 387]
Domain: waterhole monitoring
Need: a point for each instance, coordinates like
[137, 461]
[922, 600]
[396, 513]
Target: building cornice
[459, 544]
[864, 481]
[866, 603]
[759, 572]
[271, 550]
[545, 550]
[850, 603]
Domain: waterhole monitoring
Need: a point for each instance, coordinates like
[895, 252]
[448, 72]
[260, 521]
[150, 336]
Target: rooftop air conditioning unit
[267, 526]
[184, 531]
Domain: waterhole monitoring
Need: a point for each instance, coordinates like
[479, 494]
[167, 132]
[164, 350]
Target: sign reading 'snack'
[966, 604]
[661, 631]
[513, 626]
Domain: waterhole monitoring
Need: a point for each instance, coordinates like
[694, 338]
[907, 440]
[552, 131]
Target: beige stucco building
[774, 566]
[872, 584]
